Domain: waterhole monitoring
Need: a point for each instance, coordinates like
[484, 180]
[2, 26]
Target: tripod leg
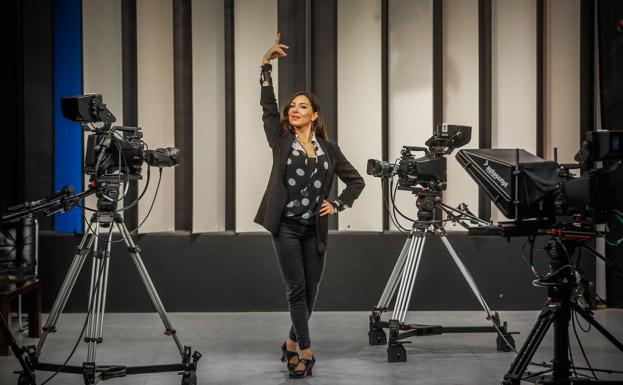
[97, 298]
[395, 349]
[151, 290]
[504, 341]
[376, 334]
[587, 315]
[392, 283]
[466, 274]
[93, 285]
[534, 339]
[70, 280]
[408, 278]
[19, 352]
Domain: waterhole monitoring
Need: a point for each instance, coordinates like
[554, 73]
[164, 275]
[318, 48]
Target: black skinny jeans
[301, 269]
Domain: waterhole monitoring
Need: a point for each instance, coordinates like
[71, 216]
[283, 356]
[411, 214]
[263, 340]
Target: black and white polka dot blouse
[304, 179]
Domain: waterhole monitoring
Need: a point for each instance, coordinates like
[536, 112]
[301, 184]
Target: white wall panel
[102, 62]
[410, 83]
[562, 79]
[514, 77]
[208, 116]
[101, 49]
[255, 23]
[155, 105]
[460, 78]
[359, 103]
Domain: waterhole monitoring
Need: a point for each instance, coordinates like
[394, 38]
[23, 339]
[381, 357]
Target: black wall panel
[324, 70]
[10, 194]
[230, 118]
[183, 95]
[324, 60]
[129, 62]
[587, 67]
[610, 21]
[309, 28]
[28, 145]
[224, 272]
[294, 69]
[610, 33]
[485, 92]
[38, 114]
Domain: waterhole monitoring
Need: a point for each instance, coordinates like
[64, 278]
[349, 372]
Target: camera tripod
[104, 218]
[565, 296]
[403, 279]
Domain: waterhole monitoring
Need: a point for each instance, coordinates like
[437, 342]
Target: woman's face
[300, 113]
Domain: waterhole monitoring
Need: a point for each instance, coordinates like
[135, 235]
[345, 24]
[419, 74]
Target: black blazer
[275, 197]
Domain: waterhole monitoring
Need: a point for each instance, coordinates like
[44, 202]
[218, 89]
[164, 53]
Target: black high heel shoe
[286, 355]
[307, 371]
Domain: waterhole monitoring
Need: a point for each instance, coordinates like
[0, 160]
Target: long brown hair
[318, 126]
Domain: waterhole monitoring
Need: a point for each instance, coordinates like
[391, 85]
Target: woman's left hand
[326, 208]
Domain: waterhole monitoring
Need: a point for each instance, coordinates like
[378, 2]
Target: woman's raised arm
[270, 116]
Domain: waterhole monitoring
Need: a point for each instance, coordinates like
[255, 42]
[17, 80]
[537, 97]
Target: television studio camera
[425, 177]
[114, 156]
[545, 198]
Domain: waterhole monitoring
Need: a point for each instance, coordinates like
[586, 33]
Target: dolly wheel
[503, 346]
[377, 336]
[189, 378]
[23, 379]
[396, 353]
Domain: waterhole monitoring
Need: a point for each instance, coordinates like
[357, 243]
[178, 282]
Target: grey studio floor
[243, 348]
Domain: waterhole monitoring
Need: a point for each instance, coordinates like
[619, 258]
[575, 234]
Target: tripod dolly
[96, 243]
[404, 274]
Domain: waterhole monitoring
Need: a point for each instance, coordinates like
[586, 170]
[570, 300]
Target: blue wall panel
[67, 82]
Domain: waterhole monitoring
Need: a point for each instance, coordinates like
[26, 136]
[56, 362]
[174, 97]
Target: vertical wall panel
[294, 73]
[155, 105]
[485, 91]
[34, 80]
[562, 78]
[67, 48]
[513, 76]
[359, 103]
[13, 137]
[101, 55]
[208, 116]
[255, 24]
[230, 115]
[460, 76]
[130, 94]
[101, 34]
[324, 70]
[183, 112]
[410, 83]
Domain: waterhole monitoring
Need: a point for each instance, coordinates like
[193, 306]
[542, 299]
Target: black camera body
[427, 172]
[114, 153]
[592, 196]
[123, 155]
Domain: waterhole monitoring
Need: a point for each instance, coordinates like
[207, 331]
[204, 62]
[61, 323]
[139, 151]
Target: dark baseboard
[238, 272]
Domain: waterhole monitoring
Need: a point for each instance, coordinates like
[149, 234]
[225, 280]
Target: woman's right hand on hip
[276, 51]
